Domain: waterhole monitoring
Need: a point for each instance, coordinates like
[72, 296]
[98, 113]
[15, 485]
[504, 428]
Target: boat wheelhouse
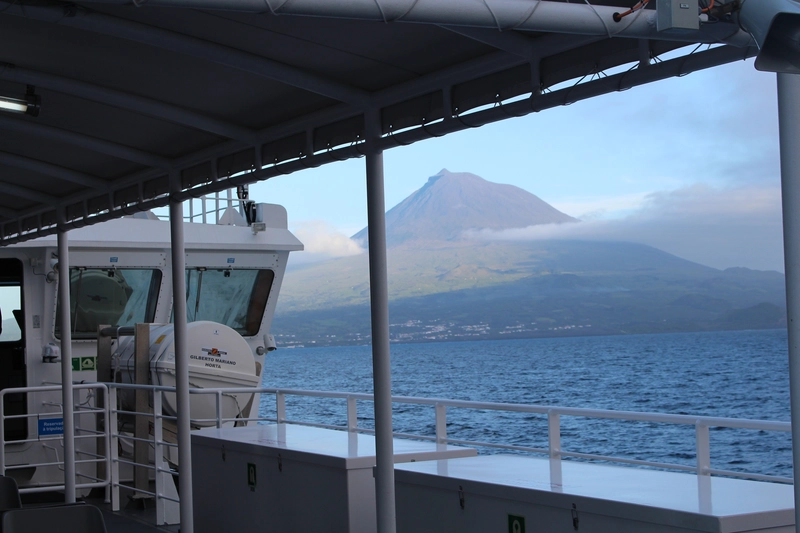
[119, 276]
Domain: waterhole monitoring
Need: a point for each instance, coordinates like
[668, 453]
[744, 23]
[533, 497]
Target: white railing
[553, 414]
[91, 437]
[159, 471]
[208, 209]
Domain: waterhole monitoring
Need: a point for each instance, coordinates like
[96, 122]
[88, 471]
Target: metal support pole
[381, 361]
[181, 365]
[789, 124]
[104, 375]
[141, 430]
[66, 363]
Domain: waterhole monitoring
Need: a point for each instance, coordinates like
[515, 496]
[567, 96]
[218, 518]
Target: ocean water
[740, 374]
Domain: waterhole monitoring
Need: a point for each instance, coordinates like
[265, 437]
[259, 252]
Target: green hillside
[466, 290]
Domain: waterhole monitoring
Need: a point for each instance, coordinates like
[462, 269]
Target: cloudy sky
[689, 165]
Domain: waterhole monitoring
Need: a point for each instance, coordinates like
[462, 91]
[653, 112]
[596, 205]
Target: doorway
[12, 348]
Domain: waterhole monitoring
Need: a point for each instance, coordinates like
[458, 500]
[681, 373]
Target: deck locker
[282, 478]
[522, 494]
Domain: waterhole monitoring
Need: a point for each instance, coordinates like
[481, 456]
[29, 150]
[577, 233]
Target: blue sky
[689, 165]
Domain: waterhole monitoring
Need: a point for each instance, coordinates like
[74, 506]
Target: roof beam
[675, 67]
[518, 44]
[546, 45]
[28, 194]
[53, 171]
[8, 213]
[183, 44]
[617, 82]
[131, 102]
[425, 84]
[490, 63]
[508, 41]
[680, 66]
[577, 18]
[78, 140]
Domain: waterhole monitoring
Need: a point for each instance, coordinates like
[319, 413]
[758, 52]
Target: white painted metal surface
[381, 351]
[280, 478]
[87, 444]
[218, 357]
[789, 125]
[483, 493]
[120, 274]
[66, 368]
[554, 416]
[182, 398]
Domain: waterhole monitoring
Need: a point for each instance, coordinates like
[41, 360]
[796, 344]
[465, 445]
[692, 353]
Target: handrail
[81, 433]
[634, 416]
[552, 414]
[211, 214]
[702, 424]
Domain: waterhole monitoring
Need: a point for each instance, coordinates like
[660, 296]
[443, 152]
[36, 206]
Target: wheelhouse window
[236, 298]
[115, 296]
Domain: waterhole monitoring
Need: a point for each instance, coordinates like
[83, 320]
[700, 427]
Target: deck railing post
[219, 408]
[554, 449]
[280, 407]
[441, 423]
[158, 452]
[2, 434]
[113, 446]
[352, 414]
[554, 433]
[703, 443]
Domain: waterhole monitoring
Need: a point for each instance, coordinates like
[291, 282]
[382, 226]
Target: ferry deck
[113, 107]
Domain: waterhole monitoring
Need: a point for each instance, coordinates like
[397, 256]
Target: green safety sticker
[251, 476]
[84, 363]
[516, 524]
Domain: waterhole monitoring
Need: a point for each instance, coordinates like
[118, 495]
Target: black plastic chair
[64, 519]
[9, 494]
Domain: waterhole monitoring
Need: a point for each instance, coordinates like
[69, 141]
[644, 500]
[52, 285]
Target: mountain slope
[444, 286]
[462, 290]
[451, 203]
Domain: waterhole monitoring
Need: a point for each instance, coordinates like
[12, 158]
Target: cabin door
[12, 348]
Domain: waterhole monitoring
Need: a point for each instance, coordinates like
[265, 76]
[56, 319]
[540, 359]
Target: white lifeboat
[218, 358]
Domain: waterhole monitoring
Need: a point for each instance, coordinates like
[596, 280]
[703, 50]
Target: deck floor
[134, 517]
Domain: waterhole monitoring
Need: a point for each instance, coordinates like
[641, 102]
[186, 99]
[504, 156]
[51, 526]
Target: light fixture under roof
[28, 105]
